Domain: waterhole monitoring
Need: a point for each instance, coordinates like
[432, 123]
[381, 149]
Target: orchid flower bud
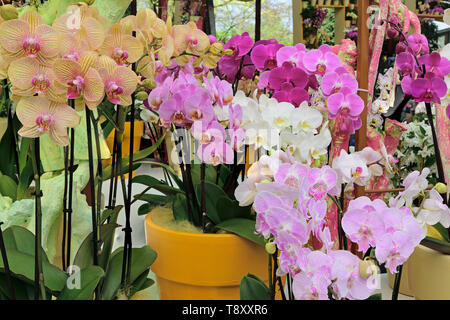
[440, 187]
[271, 247]
[8, 12]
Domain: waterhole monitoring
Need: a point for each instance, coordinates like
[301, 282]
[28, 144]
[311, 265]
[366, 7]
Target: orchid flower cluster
[423, 72]
[382, 104]
[289, 199]
[84, 62]
[395, 230]
[291, 205]
[183, 101]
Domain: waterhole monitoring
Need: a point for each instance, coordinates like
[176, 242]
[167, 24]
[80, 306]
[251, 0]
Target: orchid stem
[38, 273]
[92, 186]
[397, 280]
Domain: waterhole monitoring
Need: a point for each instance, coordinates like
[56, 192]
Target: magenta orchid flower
[439, 66]
[406, 63]
[241, 44]
[264, 56]
[288, 74]
[428, 89]
[291, 94]
[321, 61]
[348, 107]
[418, 43]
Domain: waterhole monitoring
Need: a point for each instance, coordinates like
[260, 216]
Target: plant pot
[429, 276]
[404, 281]
[197, 266]
[138, 131]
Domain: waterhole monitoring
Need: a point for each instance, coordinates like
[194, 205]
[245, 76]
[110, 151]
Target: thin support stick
[92, 182]
[38, 273]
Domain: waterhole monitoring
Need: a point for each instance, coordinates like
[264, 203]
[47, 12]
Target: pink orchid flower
[220, 90]
[173, 111]
[321, 61]
[348, 282]
[394, 249]
[264, 56]
[291, 94]
[240, 43]
[322, 181]
[39, 116]
[206, 133]
[406, 63]
[293, 55]
[333, 82]
[290, 175]
[363, 227]
[216, 152]
[198, 107]
[28, 36]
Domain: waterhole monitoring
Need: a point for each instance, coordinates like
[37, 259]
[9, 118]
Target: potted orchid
[60, 79]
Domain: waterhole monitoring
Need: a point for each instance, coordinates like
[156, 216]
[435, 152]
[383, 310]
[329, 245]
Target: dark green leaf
[156, 184]
[213, 193]
[141, 283]
[376, 296]
[242, 227]
[85, 255]
[26, 177]
[169, 169]
[179, 208]
[111, 214]
[89, 279]
[442, 230]
[230, 209]
[253, 288]
[141, 260]
[8, 187]
[23, 153]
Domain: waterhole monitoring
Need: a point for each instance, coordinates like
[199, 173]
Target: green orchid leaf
[8, 187]
[242, 227]
[85, 255]
[141, 260]
[253, 288]
[213, 193]
[19, 244]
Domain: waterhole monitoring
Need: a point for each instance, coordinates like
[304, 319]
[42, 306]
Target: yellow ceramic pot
[404, 281]
[429, 274]
[138, 132]
[196, 266]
